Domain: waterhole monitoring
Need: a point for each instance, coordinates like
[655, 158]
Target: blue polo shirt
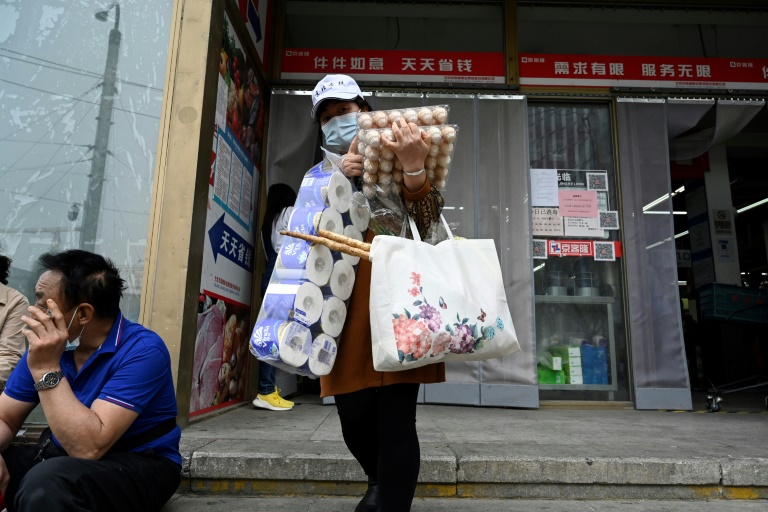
[131, 369]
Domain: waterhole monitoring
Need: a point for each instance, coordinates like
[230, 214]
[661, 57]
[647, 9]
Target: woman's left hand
[352, 163]
[409, 145]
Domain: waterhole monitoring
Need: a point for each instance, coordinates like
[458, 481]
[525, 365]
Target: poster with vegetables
[220, 367]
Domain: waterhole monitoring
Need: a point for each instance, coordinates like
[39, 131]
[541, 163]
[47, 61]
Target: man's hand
[352, 162]
[47, 336]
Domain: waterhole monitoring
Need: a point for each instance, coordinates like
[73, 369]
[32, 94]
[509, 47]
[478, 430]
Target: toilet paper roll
[323, 355]
[330, 220]
[292, 259]
[279, 299]
[308, 304]
[275, 338]
[352, 232]
[312, 197]
[319, 265]
[309, 220]
[339, 192]
[342, 279]
[333, 316]
[359, 211]
[313, 191]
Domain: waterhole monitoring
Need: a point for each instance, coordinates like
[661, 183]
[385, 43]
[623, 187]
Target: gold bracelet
[415, 173]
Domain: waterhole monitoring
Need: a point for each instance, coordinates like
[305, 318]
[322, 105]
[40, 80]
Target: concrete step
[182, 503]
[490, 454]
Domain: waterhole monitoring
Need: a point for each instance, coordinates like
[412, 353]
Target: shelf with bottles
[573, 352]
[575, 280]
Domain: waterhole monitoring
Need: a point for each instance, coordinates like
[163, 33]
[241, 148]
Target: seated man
[106, 389]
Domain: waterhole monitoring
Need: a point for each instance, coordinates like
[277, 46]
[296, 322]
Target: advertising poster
[256, 15]
[220, 366]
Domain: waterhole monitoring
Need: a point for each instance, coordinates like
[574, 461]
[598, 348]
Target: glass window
[580, 329]
[81, 88]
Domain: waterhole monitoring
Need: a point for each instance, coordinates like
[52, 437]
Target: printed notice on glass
[221, 102]
[546, 222]
[223, 164]
[578, 203]
[544, 187]
[245, 197]
[234, 180]
[583, 226]
[235, 183]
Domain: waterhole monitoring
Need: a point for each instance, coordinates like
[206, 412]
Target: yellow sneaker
[273, 402]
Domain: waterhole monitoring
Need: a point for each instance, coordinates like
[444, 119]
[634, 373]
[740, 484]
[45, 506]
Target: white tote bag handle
[415, 231]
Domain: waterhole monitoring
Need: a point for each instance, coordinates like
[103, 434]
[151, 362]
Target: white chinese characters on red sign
[388, 65]
[631, 71]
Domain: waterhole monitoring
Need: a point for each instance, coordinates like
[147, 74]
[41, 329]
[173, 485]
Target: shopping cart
[737, 304]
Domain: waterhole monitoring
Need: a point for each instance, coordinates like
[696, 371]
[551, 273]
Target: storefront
[569, 118]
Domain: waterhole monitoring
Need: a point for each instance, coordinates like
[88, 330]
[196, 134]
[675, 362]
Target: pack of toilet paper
[305, 305]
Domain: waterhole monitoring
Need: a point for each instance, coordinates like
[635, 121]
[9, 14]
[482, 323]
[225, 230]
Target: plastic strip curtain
[658, 355]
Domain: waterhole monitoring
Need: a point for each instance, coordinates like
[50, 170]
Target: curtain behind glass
[503, 213]
[293, 138]
[658, 357]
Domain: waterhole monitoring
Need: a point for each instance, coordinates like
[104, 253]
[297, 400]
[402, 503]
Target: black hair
[5, 268]
[360, 102]
[87, 277]
[279, 196]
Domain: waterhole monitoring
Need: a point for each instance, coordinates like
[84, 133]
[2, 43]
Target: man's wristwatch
[49, 380]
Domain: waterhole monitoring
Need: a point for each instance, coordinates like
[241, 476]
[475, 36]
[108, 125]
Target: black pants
[117, 482]
[379, 428]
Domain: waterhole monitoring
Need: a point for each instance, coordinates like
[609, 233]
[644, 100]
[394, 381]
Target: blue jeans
[266, 378]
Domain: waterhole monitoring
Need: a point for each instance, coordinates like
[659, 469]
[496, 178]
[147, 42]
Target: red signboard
[569, 248]
[645, 72]
[394, 65]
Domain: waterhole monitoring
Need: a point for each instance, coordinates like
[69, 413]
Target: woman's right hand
[352, 162]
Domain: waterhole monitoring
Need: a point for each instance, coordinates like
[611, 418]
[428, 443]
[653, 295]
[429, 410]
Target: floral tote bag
[433, 303]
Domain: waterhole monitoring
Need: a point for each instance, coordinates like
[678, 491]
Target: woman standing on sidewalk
[280, 201]
[377, 410]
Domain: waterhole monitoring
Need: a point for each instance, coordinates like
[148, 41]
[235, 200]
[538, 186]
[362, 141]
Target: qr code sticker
[540, 249]
[597, 181]
[604, 251]
[609, 220]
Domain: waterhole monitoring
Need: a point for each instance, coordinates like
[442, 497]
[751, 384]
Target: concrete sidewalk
[490, 453]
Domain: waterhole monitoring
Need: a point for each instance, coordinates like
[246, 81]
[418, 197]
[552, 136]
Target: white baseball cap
[335, 87]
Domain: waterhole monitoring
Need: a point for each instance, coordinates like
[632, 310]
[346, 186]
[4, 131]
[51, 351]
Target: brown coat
[353, 369]
[12, 342]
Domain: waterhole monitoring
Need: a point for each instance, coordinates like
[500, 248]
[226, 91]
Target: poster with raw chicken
[220, 367]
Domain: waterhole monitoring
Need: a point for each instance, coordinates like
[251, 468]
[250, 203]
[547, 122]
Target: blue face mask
[339, 132]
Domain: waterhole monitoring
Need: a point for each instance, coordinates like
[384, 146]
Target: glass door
[581, 342]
